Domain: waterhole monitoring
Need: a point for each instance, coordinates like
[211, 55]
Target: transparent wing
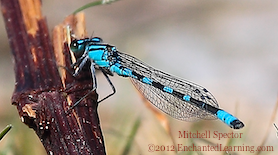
[166, 102]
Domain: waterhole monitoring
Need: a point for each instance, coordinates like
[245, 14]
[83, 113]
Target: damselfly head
[78, 46]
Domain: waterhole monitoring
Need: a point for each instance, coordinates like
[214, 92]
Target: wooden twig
[42, 95]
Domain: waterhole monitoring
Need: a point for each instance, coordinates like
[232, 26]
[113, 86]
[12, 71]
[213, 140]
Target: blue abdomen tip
[225, 117]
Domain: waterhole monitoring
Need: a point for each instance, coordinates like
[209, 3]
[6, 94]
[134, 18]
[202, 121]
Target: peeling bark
[44, 89]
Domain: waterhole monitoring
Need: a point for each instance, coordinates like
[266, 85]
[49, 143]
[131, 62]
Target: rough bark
[43, 94]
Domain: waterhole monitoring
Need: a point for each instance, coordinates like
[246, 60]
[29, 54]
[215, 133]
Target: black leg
[111, 84]
[109, 81]
[82, 98]
[67, 69]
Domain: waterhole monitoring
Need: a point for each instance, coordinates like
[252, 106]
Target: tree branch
[41, 94]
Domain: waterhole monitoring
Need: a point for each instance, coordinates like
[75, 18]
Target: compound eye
[76, 46]
[73, 43]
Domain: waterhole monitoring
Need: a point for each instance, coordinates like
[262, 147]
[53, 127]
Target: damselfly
[179, 98]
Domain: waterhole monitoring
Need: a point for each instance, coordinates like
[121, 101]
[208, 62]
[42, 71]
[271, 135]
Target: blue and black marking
[221, 114]
[179, 98]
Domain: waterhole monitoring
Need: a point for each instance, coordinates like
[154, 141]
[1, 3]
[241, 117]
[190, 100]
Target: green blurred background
[229, 47]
